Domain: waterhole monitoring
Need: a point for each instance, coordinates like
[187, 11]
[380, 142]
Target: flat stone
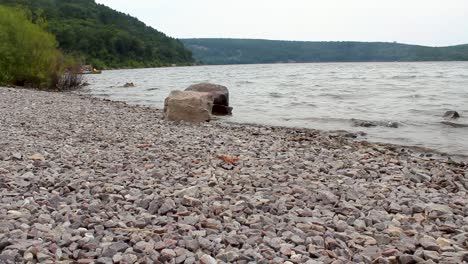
[207, 259]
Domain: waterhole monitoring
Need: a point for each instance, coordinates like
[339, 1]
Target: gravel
[84, 180]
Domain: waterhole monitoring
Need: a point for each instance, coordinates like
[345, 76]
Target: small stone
[129, 258]
[117, 258]
[41, 257]
[104, 260]
[28, 256]
[429, 243]
[167, 206]
[328, 197]
[431, 255]
[191, 202]
[297, 239]
[394, 231]
[142, 247]
[207, 259]
[168, 254]
[360, 224]
[406, 259]
[296, 258]
[17, 156]
[440, 209]
[119, 246]
[286, 249]
[228, 257]
[37, 156]
[15, 213]
[443, 242]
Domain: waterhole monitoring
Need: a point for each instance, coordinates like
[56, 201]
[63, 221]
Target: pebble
[95, 195]
[207, 259]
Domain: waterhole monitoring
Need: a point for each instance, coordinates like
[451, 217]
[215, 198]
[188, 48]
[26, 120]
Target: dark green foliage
[104, 37]
[246, 51]
[28, 54]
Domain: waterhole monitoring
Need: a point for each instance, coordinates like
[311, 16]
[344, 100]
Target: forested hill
[103, 36]
[247, 51]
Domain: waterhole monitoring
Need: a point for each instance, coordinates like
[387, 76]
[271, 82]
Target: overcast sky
[425, 22]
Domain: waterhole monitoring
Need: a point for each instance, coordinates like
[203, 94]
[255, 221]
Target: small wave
[413, 96]
[289, 84]
[302, 104]
[323, 119]
[245, 82]
[152, 89]
[293, 75]
[403, 77]
[455, 125]
[367, 123]
[334, 96]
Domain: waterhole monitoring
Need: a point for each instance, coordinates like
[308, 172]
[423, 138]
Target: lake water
[324, 96]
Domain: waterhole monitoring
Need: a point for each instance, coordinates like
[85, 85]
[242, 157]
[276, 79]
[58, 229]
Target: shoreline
[425, 151]
[86, 179]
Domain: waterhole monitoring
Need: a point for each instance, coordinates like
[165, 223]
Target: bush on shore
[29, 55]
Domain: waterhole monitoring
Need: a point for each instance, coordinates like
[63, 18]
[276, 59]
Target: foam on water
[322, 96]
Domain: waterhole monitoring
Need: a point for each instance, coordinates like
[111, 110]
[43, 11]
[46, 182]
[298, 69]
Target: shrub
[28, 54]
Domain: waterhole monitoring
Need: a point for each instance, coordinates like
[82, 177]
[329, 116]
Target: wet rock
[452, 114]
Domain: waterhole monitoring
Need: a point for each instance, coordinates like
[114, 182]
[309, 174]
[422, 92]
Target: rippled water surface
[322, 96]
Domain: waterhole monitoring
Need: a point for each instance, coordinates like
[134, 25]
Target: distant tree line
[104, 37]
[248, 51]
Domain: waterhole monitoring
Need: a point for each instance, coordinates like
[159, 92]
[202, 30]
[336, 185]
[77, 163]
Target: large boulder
[220, 96]
[188, 106]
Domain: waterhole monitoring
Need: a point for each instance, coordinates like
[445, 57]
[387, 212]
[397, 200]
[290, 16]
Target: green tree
[29, 55]
[100, 34]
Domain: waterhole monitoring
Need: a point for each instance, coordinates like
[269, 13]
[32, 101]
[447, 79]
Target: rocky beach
[84, 180]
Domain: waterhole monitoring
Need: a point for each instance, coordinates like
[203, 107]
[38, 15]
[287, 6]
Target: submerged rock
[365, 123]
[129, 85]
[452, 115]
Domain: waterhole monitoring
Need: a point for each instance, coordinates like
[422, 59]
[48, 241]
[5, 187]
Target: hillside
[103, 36]
[248, 51]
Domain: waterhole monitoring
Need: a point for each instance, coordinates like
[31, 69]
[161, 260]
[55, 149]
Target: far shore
[84, 179]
